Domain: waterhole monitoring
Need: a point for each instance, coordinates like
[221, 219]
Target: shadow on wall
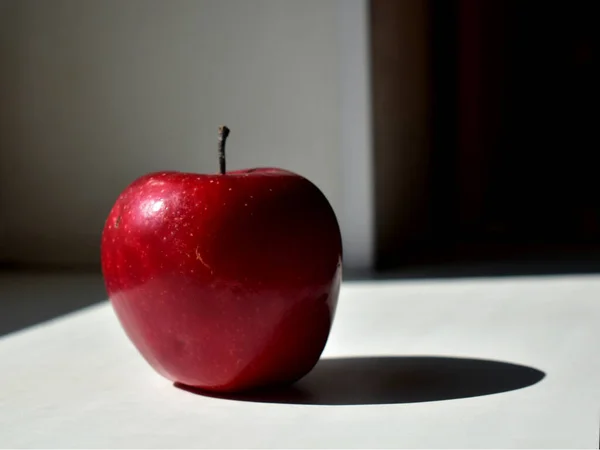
[30, 298]
[395, 379]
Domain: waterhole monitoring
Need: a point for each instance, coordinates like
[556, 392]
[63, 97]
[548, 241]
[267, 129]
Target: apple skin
[224, 282]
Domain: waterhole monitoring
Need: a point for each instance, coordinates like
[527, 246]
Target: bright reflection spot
[151, 207]
[157, 205]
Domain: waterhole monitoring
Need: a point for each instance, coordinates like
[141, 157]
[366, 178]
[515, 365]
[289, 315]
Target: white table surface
[77, 381]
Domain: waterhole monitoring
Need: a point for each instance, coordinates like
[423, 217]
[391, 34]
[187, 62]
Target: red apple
[225, 281]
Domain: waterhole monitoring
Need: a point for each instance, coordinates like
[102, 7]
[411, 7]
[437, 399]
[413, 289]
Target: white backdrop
[96, 93]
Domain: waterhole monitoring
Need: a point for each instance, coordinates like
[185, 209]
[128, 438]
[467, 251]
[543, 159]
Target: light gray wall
[95, 93]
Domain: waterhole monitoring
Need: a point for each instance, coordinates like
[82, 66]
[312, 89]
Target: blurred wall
[400, 48]
[96, 93]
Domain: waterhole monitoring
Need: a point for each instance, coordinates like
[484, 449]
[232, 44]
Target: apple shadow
[394, 379]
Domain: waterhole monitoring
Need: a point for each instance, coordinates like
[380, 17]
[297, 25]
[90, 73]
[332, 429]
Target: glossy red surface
[224, 282]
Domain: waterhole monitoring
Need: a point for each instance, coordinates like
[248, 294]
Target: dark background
[506, 163]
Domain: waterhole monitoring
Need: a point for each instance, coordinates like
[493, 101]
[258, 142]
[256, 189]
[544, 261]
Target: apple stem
[223, 133]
